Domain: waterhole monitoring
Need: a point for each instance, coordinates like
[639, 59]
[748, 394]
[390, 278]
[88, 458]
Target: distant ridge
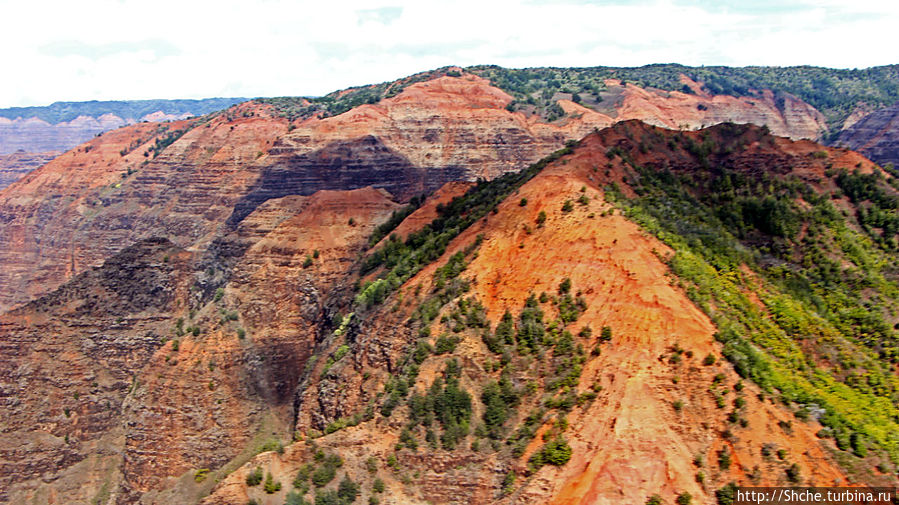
[58, 112]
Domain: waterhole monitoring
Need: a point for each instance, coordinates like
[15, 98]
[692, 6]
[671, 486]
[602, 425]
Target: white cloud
[119, 49]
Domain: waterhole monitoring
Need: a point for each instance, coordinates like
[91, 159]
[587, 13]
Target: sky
[139, 49]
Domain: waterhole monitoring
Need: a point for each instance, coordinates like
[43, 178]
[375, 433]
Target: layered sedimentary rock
[628, 443]
[784, 114]
[117, 189]
[876, 135]
[14, 166]
[231, 328]
[128, 377]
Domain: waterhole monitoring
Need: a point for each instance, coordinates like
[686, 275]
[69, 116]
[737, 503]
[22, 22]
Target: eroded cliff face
[36, 135]
[89, 203]
[14, 166]
[69, 361]
[786, 115]
[170, 373]
[164, 361]
[644, 422]
[876, 135]
[196, 281]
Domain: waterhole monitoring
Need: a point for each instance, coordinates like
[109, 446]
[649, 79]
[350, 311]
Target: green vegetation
[399, 260]
[320, 472]
[727, 495]
[271, 486]
[555, 452]
[347, 491]
[338, 102]
[295, 498]
[254, 478]
[447, 403]
[166, 138]
[396, 217]
[201, 474]
[835, 92]
[825, 333]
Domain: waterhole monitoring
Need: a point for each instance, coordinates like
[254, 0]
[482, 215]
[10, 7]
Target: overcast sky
[124, 49]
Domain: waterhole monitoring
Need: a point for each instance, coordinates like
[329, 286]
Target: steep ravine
[87, 204]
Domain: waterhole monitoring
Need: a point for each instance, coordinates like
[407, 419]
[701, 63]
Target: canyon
[186, 302]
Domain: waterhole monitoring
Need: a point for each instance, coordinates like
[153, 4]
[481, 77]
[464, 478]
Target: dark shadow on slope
[344, 165]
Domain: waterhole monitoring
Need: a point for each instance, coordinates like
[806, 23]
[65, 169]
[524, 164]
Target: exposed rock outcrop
[14, 166]
[436, 131]
[876, 135]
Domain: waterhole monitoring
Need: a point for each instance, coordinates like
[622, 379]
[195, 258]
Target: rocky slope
[219, 170]
[148, 375]
[179, 366]
[649, 405]
[788, 117]
[876, 135]
[14, 166]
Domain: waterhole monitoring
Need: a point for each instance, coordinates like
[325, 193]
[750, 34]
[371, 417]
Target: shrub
[408, 439]
[523, 202]
[709, 360]
[727, 495]
[201, 474]
[271, 486]
[323, 475]
[295, 498]
[328, 497]
[347, 491]
[377, 486]
[567, 206]
[858, 445]
[445, 344]
[684, 498]
[723, 459]
[654, 500]
[303, 476]
[254, 478]
[541, 218]
[606, 334]
[556, 452]
[793, 474]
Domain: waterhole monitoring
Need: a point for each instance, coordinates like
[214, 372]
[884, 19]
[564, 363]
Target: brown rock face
[876, 135]
[14, 166]
[69, 360]
[786, 116]
[87, 204]
[91, 202]
[126, 382]
[142, 371]
[627, 443]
